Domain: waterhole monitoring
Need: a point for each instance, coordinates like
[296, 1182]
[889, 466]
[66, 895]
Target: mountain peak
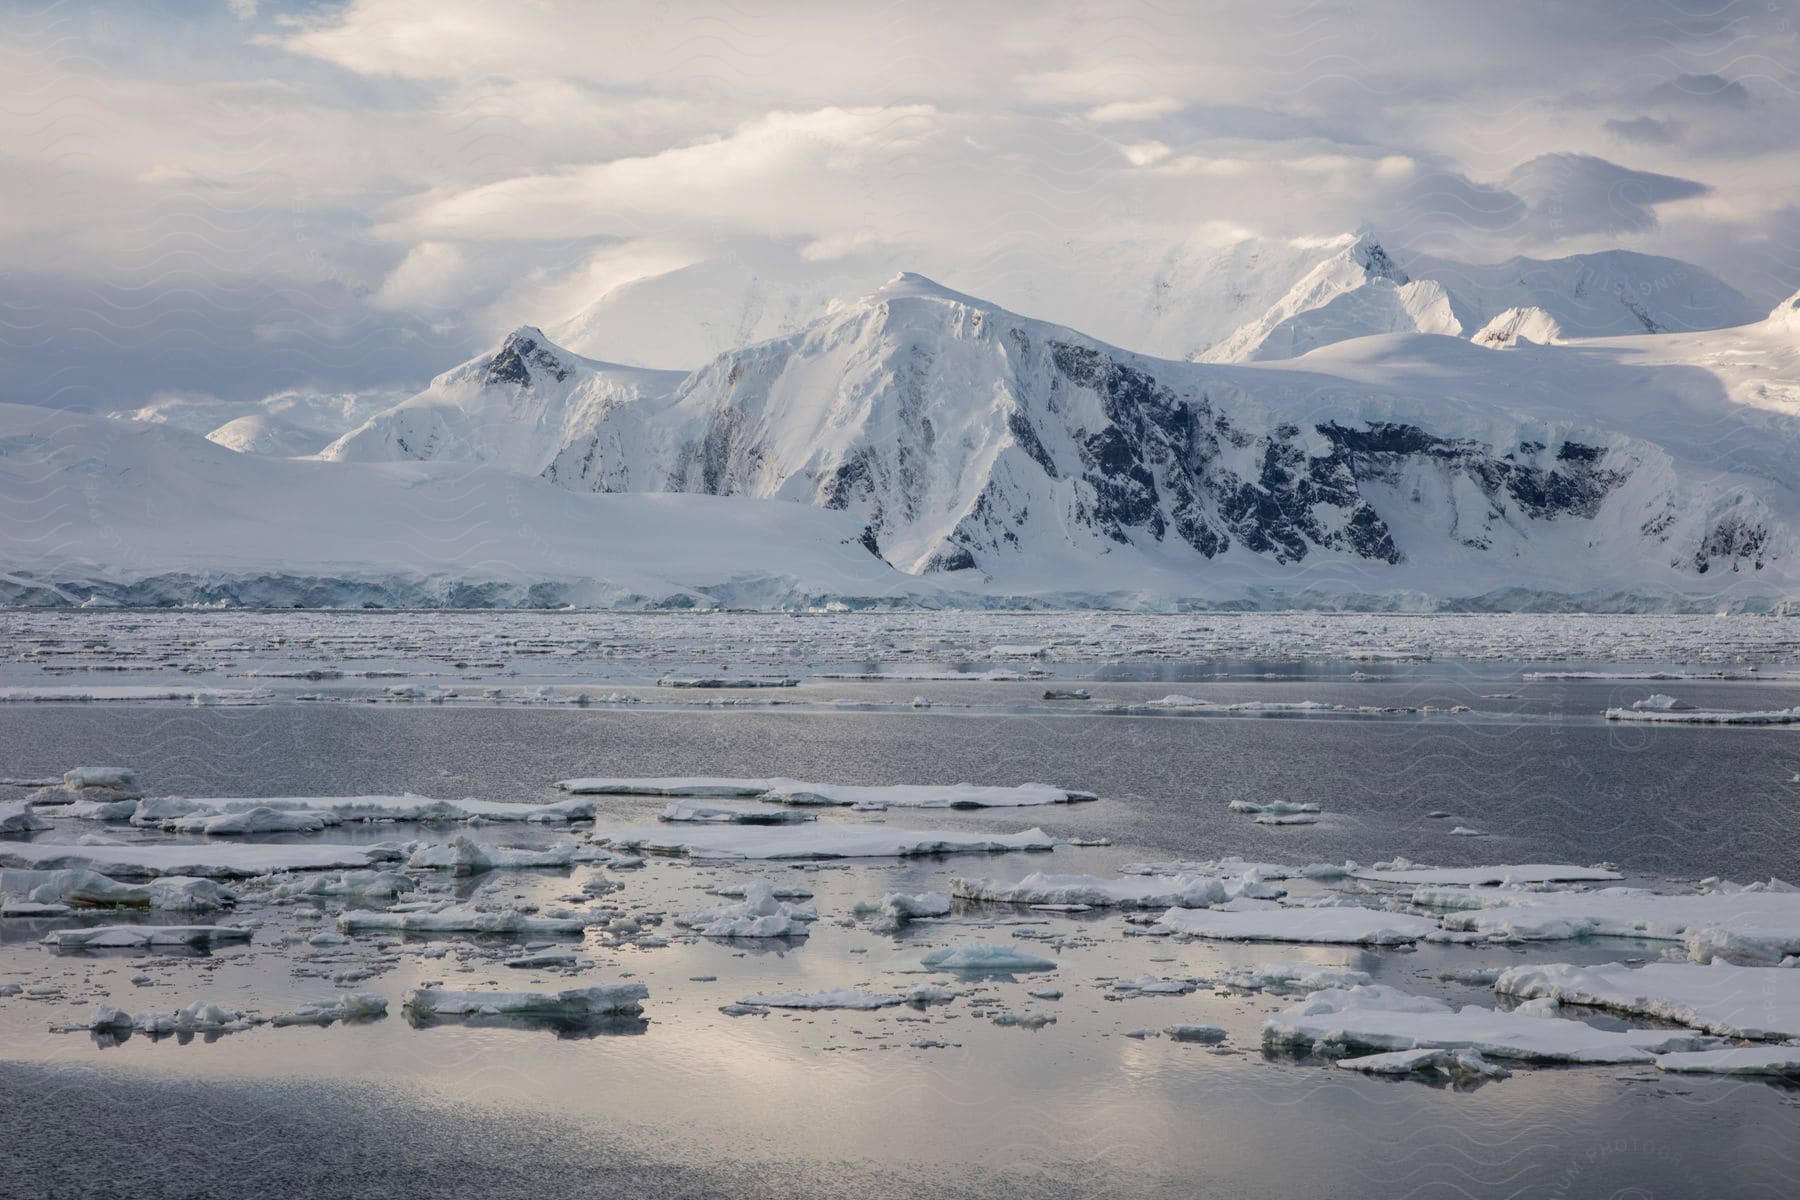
[910, 284]
[1373, 258]
[525, 349]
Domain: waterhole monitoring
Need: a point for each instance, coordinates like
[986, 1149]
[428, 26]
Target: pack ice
[612, 999]
[1732, 1001]
[834, 841]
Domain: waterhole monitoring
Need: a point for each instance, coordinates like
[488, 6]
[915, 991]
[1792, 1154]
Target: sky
[239, 198]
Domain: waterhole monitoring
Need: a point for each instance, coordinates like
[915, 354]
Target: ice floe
[1735, 1060]
[133, 692]
[760, 915]
[1733, 1001]
[212, 860]
[610, 999]
[896, 909]
[258, 820]
[986, 956]
[170, 812]
[120, 936]
[1376, 1017]
[16, 817]
[1342, 925]
[816, 841]
[1135, 891]
[800, 792]
[460, 919]
[351, 1006]
[1697, 716]
[89, 889]
[1753, 923]
[1402, 872]
[850, 998]
[1458, 1065]
[464, 855]
[1290, 976]
[712, 812]
[1209, 1035]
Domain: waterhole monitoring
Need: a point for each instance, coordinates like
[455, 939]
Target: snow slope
[1358, 289]
[127, 512]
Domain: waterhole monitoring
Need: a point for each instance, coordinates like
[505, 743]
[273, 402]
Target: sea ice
[1346, 925]
[163, 811]
[210, 860]
[463, 855]
[894, 910]
[1760, 923]
[1454, 1064]
[838, 998]
[251, 821]
[1480, 876]
[456, 919]
[816, 841]
[1735, 1060]
[611, 999]
[760, 915]
[114, 936]
[16, 817]
[1743, 1002]
[1290, 976]
[351, 1006]
[1205, 1034]
[1153, 891]
[713, 812]
[1380, 1018]
[986, 956]
[798, 792]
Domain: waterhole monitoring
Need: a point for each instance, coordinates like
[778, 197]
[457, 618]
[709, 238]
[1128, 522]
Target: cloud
[1571, 195]
[384, 181]
[1647, 131]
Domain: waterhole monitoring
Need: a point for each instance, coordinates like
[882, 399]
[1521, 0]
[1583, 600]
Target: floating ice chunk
[1343, 925]
[543, 959]
[716, 681]
[760, 915]
[251, 821]
[738, 891]
[610, 999]
[1782, 716]
[986, 956]
[798, 792]
[1481, 876]
[1466, 831]
[1286, 818]
[1154, 891]
[90, 889]
[955, 795]
[202, 1016]
[1661, 703]
[463, 855]
[1733, 1001]
[114, 936]
[16, 817]
[1737, 1060]
[838, 998]
[140, 692]
[1152, 985]
[351, 1006]
[1212, 866]
[666, 786]
[1291, 976]
[1206, 1034]
[115, 779]
[1277, 807]
[163, 811]
[362, 884]
[1453, 1064]
[212, 861]
[1761, 923]
[713, 812]
[99, 810]
[1067, 694]
[1024, 1020]
[894, 910]
[456, 919]
[814, 841]
[1381, 1018]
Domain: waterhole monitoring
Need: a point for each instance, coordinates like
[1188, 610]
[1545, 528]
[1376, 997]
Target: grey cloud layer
[254, 197]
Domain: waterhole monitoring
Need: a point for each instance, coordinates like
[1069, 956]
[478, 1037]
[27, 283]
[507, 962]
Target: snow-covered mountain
[117, 511]
[287, 424]
[517, 408]
[1359, 289]
[1011, 457]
